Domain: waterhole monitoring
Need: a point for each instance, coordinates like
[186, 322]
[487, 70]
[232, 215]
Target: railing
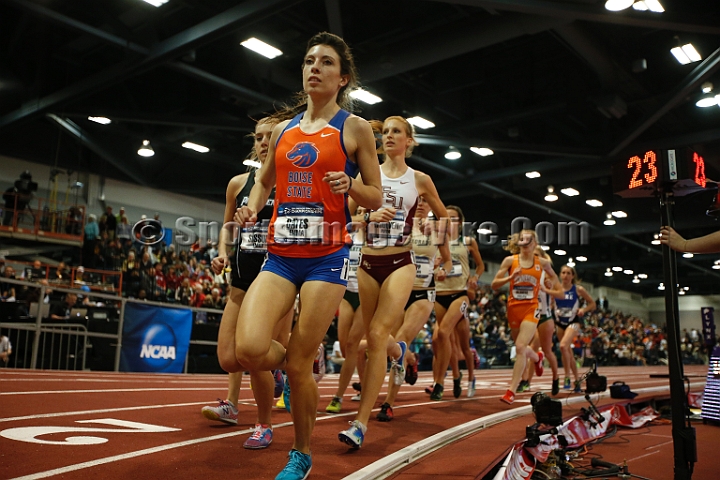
[63, 223]
[102, 281]
[92, 341]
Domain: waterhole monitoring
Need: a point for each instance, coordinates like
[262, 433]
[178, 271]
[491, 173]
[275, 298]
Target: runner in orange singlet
[523, 271]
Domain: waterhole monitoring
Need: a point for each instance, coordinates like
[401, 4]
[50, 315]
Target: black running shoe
[437, 392]
[555, 386]
[457, 388]
[357, 386]
[411, 372]
[386, 413]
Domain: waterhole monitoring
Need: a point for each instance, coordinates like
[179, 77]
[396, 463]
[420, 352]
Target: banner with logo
[155, 339]
[522, 460]
[708, 325]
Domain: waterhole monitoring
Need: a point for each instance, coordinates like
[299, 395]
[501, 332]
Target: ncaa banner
[155, 339]
[708, 325]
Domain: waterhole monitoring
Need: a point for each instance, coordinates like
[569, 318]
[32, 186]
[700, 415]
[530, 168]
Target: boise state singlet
[309, 220]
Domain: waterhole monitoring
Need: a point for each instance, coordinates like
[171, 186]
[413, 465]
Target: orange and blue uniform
[306, 210]
[309, 221]
[523, 299]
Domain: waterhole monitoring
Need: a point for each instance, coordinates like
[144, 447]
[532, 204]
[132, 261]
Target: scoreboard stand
[666, 174]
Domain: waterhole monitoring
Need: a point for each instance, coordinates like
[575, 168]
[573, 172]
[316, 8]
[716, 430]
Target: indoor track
[142, 426]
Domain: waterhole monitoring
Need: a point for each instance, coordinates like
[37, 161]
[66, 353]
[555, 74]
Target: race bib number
[299, 223]
[254, 239]
[424, 268]
[523, 292]
[565, 312]
[354, 262]
[456, 270]
[388, 233]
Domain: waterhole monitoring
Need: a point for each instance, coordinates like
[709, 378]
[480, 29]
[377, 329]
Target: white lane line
[407, 458]
[138, 453]
[641, 456]
[113, 390]
[103, 410]
[149, 451]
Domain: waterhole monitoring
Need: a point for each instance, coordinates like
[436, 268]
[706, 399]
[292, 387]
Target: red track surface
[197, 448]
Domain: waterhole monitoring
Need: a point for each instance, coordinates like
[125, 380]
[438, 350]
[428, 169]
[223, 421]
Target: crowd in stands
[610, 338]
[160, 273]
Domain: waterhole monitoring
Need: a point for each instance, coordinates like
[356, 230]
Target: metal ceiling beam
[456, 40]
[334, 16]
[73, 129]
[708, 66]
[435, 166]
[173, 120]
[596, 13]
[452, 188]
[184, 68]
[548, 150]
[503, 118]
[196, 36]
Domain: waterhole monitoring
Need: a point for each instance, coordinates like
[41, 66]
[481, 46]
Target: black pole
[683, 435]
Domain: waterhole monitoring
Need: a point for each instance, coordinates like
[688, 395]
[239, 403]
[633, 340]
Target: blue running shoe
[298, 466]
[279, 383]
[354, 435]
[286, 392]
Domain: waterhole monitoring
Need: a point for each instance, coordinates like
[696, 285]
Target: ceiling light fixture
[617, 5]
[656, 240]
[560, 252]
[653, 5]
[420, 122]
[681, 292]
[551, 195]
[482, 151]
[642, 276]
[608, 273]
[194, 146]
[636, 279]
[716, 266]
[627, 271]
[609, 220]
[707, 87]
[532, 174]
[661, 287]
[258, 46]
[484, 231]
[156, 3]
[619, 214]
[146, 149]
[594, 202]
[365, 96]
[570, 192]
[252, 163]
[570, 262]
[100, 120]
[708, 101]
[686, 54]
[581, 258]
[617, 269]
[545, 247]
[688, 255]
[453, 154]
